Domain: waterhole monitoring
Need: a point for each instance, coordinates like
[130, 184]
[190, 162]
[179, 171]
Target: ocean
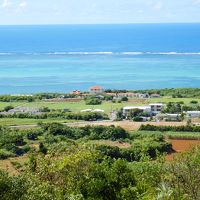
[62, 58]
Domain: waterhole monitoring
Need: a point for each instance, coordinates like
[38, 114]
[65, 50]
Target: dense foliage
[17, 142]
[81, 173]
[93, 100]
[67, 165]
[187, 128]
[86, 116]
[175, 92]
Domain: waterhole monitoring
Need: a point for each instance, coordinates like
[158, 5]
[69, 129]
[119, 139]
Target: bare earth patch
[7, 165]
[182, 146]
[128, 125]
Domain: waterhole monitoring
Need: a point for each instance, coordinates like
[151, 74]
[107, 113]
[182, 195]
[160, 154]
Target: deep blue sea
[61, 58]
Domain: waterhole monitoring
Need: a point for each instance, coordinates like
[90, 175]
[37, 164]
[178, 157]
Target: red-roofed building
[96, 90]
[76, 92]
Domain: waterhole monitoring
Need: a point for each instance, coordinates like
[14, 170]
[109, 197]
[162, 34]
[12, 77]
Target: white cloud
[23, 4]
[6, 3]
[158, 5]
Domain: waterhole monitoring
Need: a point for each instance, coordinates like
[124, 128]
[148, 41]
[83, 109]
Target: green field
[78, 106]
[170, 134]
[107, 106]
[170, 99]
[17, 121]
[74, 107]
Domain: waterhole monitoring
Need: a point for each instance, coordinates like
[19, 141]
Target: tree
[92, 101]
[124, 99]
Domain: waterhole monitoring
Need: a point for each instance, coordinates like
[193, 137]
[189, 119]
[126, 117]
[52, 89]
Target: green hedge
[187, 128]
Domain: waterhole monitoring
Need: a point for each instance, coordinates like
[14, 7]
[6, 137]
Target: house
[151, 109]
[156, 108]
[76, 92]
[95, 110]
[128, 109]
[98, 111]
[192, 114]
[86, 110]
[127, 94]
[142, 95]
[96, 90]
[23, 110]
[154, 96]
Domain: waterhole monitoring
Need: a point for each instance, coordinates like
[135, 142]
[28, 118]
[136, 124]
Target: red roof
[96, 88]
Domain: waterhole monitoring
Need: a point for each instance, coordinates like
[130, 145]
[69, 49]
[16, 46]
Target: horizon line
[132, 23]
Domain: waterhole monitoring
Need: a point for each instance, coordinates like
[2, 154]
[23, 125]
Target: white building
[144, 109]
[95, 110]
[156, 108]
[151, 109]
[98, 111]
[192, 114]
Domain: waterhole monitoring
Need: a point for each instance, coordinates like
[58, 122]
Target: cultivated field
[182, 146]
[128, 125]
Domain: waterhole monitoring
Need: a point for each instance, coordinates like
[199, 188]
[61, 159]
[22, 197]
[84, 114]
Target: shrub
[124, 99]
[92, 101]
[194, 102]
[7, 108]
[4, 154]
[187, 128]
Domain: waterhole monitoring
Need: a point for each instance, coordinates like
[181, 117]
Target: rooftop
[194, 111]
[96, 87]
[136, 107]
[156, 104]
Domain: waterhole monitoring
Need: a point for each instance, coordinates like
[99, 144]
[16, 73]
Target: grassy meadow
[107, 106]
[78, 106]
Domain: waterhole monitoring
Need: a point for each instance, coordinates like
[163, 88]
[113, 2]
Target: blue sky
[98, 11]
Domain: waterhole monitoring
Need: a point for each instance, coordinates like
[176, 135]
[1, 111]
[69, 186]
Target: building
[142, 95]
[76, 92]
[127, 94]
[128, 109]
[156, 108]
[23, 110]
[98, 111]
[86, 110]
[151, 109]
[95, 110]
[192, 114]
[96, 90]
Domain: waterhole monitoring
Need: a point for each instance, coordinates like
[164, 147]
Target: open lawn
[107, 106]
[172, 135]
[170, 99]
[17, 121]
[73, 106]
[78, 106]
